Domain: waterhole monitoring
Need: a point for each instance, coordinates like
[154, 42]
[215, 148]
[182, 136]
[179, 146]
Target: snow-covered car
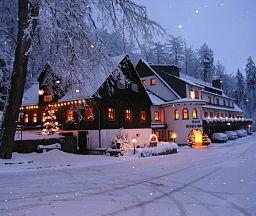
[249, 132]
[219, 137]
[241, 133]
[231, 135]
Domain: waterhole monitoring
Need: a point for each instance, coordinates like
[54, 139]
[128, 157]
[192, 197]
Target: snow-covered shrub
[162, 148]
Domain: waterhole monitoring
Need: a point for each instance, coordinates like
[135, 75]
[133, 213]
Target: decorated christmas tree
[50, 126]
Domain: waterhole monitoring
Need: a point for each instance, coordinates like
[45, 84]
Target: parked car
[249, 132]
[241, 133]
[219, 137]
[231, 135]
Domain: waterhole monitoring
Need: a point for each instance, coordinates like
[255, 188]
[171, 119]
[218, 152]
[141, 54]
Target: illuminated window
[144, 82]
[211, 114]
[143, 116]
[43, 117]
[157, 133]
[26, 118]
[185, 114]
[110, 114]
[70, 116]
[88, 112]
[176, 114]
[192, 94]
[153, 81]
[194, 113]
[157, 116]
[209, 99]
[205, 114]
[128, 115]
[34, 117]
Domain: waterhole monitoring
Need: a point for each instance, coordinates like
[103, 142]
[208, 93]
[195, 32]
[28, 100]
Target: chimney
[217, 82]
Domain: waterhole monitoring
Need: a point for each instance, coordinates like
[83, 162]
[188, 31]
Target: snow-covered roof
[185, 100]
[235, 109]
[30, 96]
[88, 86]
[155, 99]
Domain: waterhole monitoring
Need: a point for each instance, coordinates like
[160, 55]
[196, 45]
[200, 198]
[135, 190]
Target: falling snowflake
[180, 26]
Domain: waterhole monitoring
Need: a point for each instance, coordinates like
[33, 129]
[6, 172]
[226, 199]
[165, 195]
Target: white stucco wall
[179, 126]
[160, 89]
[108, 135]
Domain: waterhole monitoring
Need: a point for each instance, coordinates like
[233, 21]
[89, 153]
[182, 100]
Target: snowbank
[162, 148]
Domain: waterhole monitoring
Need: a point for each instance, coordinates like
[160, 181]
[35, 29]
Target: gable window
[153, 81]
[143, 116]
[26, 118]
[176, 114]
[205, 114]
[111, 114]
[89, 116]
[185, 114]
[192, 94]
[128, 115]
[209, 99]
[70, 115]
[194, 113]
[157, 116]
[144, 82]
[34, 117]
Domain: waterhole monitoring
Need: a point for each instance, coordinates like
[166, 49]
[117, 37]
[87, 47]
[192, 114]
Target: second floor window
[176, 114]
[185, 114]
[26, 118]
[194, 113]
[211, 114]
[153, 81]
[89, 116]
[157, 116]
[128, 115]
[205, 114]
[143, 116]
[217, 101]
[224, 102]
[209, 99]
[70, 116]
[35, 117]
[111, 114]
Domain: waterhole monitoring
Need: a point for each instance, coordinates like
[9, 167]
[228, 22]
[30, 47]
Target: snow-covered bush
[162, 148]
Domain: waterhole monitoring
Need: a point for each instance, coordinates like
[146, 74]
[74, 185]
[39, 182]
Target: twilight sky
[227, 26]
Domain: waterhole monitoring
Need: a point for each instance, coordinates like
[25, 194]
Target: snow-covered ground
[218, 180]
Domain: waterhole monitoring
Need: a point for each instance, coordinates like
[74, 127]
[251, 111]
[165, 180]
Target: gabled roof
[145, 69]
[31, 96]
[90, 85]
[155, 100]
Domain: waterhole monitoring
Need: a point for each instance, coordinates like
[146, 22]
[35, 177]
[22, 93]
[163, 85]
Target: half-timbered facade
[100, 107]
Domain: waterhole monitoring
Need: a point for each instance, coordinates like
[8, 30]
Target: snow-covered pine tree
[189, 65]
[240, 95]
[205, 60]
[250, 71]
[175, 50]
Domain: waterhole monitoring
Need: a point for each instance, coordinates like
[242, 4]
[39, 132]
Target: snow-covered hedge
[162, 148]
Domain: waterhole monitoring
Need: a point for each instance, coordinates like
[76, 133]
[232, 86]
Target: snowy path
[219, 180]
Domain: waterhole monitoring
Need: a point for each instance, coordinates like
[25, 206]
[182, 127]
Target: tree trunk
[18, 77]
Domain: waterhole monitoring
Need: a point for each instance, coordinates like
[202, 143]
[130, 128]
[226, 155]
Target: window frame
[153, 81]
[158, 115]
[183, 114]
[111, 110]
[141, 115]
[128, 115]
[194, 111]
[176, 114]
